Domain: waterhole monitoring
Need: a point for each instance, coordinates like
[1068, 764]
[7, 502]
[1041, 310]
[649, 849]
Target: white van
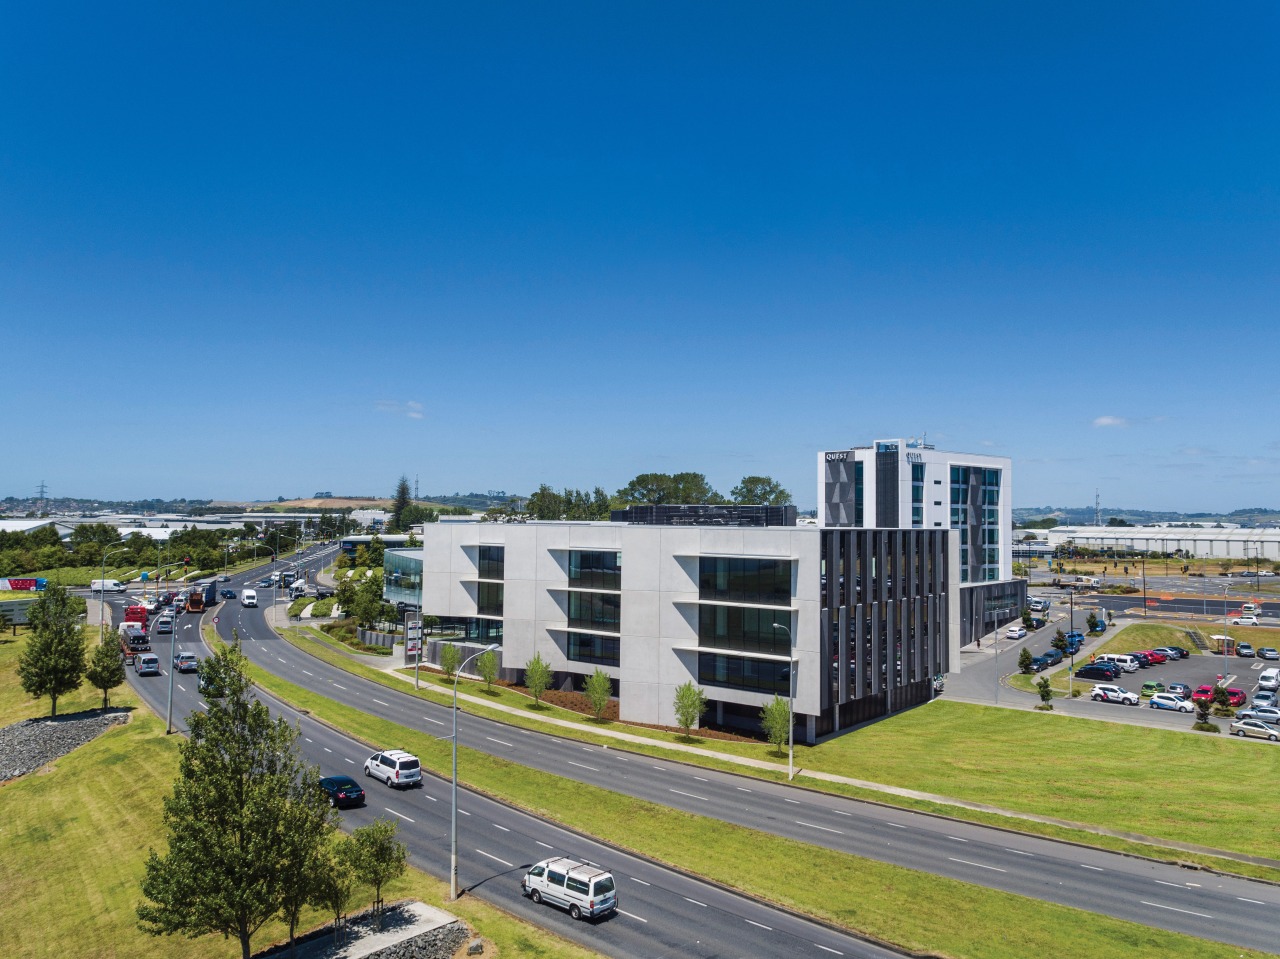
[1251, 609]
[248, 597]
[1269, 679]
[583, 889]
[106, 586]
[1123, 660]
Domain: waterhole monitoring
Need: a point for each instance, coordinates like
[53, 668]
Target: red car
[1155, 657]
[1235, 697]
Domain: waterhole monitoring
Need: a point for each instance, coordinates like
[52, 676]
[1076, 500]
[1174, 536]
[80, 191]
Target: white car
[395, 767]
[1016, 632]
[1170, 701]
[1245, 621]
[1106, 693]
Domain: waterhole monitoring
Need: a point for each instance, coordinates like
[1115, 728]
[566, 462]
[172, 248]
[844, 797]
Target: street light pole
[102, 590]
[791, 702]
[453, 812]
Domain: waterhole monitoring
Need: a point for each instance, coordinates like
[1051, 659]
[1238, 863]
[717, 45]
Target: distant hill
[1084, 516]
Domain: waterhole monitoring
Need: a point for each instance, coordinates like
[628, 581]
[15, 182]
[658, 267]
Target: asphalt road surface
[1221, 908]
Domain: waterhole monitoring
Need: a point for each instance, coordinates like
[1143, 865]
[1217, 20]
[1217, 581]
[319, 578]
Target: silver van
[583, 889]
[1269, 679]
[146, 664]
[1123, 660]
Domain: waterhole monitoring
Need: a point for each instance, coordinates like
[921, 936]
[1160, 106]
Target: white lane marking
[626, 760]
[432, 798]
[1256, 902]
[381, 703]
[498, 741]
[641, 881]
[1175, 909]
[695, 902]
[308, 740]
[828, 949]
[180, 686]
[760, 925]
[1094, 868]
[957, 839]
[978, 864]
[896, 825]
[630, 915]
[741, 790]
[306, 673]
[659, 768]
[840, 813]
[394, 813]
[509, 865]
[582, 765]
[543, 844]
[701, 780]
[823, 828]
[203, 704]
[1019, 852]
[352, 761]
[327, 749]
[690, 795]
[554, 740]
[588, 749]
[464, 812]
[503, 828]
[430, 720]
[281, 658]
[1174, 884]
[340, 687]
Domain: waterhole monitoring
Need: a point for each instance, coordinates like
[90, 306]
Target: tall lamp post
[791, 701]
[995, 642]
[102, 592]
[453, 813]
[1225, 589]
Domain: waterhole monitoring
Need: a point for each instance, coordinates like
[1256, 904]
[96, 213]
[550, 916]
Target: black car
[342, 791]
[1144, 661]
[227, 593]
[1102, 671]
[1184, 653]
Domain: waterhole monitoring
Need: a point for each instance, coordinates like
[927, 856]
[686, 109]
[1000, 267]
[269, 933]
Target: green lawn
[908, 908]
[16, 705]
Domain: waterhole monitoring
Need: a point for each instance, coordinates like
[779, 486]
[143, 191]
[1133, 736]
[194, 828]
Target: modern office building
[909, 484]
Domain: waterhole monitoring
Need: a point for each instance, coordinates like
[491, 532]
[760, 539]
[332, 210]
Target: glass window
[489, 599]
[736, 672]
[595, 611]
[492, 562]
[589, 648]
[749, 630]
[595, 569]
[745, 580]
[857, 493]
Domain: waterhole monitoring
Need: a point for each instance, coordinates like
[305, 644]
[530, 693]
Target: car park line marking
[180, 686]
[582, 765]
[1175, 909]
[509, 865]
[430, 720]
[343, 688]
[1019, 852]
[503, 828]
[402, 816]
[957, 839]
[632, 916]
[1094, 868]
[695, 902]
[203, 704]
[760, 924]
[823, 828]
[641, 881]
[828, 949]
[690, 795]
[543, 844]
[1256, 902]
[978, 864]
[498, 741]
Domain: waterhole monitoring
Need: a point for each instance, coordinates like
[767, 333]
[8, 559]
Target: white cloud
[411, 408]
[1110, 421]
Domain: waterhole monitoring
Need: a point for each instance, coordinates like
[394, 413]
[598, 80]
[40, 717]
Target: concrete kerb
[392, 670]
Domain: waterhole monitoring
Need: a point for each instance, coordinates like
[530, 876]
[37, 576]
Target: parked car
[1170, 701]
[342, 791]
[1244, 650]
[1151, 687]
[1144, 661]
[1054, 656]
[1169, 652]
[1106, 693]
[1016, 631]
[1182, 650]
[395, 767]
[1245, 621]
[1265, 697]
[1039, 663]
[1268, 714]
[186, 662]
[1154, 656]
[1268, 652]
[1256, 728]
[1103, 671]
[1181, 690]
[1236, 697]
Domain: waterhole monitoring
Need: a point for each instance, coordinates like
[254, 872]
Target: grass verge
[911, 909]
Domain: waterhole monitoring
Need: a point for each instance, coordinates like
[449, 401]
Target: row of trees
[647, 489]
[251, 835]
[55, 660]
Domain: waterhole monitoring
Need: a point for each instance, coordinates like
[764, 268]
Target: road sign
[412, 646]
[215, 620]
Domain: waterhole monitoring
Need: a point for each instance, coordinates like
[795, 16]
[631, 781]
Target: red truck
[136, 614]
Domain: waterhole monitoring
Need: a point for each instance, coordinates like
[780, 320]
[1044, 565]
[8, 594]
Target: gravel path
[28, 745]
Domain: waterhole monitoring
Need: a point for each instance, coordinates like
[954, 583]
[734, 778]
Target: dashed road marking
[1175, 909]
[509, 865]
[690, 795]
[978, 864]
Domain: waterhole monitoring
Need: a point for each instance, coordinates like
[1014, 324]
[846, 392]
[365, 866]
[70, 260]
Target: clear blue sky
[250, 250]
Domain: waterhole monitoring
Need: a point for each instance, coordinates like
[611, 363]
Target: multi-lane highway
[1222, 908]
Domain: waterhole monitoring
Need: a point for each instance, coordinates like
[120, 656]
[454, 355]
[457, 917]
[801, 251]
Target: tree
[487, 667]
[537, 677]
[403, 497]
[1059, 642]
[1203, 707]
[655, 489]
[335, 880]
[599, 690]
[760, 490]
[1026, 616]
[106, 670]
[1092, 622]
[775, 719]
[412, 541]
[53, 662]
[690, 703]
[1046, 691]
[303, 843]
[450, 659]
[1024, 662]
[379, 858]
[244, 807]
